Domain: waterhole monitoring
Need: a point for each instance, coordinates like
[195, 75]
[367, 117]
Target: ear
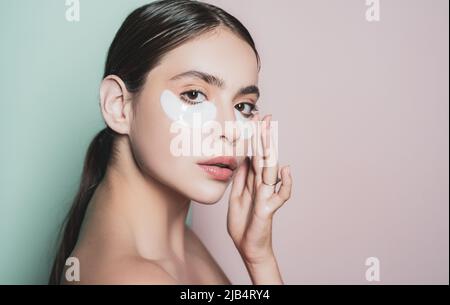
[115, 104]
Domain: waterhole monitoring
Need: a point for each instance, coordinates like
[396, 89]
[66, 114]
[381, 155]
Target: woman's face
[218, 72]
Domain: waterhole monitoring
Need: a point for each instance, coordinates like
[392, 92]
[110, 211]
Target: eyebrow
[216, 81]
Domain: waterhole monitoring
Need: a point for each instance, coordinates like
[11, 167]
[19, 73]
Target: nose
[227, 120]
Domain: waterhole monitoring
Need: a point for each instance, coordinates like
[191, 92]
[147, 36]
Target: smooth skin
[135, 231]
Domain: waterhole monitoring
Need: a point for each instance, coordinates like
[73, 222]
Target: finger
[239, 180]
[250, 178]
[256, 152]
[270, 169]
[284, 193]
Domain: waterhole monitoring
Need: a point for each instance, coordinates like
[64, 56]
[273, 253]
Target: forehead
[219, 52]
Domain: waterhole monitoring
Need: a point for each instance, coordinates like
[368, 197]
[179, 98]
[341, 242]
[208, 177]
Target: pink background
[363, 122]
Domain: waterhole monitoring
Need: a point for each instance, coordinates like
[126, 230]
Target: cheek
[151, 138]
[151, 144]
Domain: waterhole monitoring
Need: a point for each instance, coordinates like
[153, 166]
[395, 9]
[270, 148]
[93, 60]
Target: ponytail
[95, 163]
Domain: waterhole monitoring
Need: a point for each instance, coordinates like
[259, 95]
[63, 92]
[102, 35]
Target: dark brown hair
[145, 36]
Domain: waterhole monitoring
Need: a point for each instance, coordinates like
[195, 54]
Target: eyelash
[185, 99]
[189, 101]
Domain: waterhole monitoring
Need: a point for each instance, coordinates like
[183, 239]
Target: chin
[209, 192]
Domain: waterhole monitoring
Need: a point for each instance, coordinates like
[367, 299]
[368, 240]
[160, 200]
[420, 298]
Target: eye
[246, 109]
[193, 97]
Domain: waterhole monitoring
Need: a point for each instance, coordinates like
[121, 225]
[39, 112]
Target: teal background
[50, 74]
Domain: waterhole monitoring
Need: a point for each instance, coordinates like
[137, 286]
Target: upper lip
[229, 162]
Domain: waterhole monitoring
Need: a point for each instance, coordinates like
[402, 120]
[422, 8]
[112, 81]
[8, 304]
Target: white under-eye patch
[177, 110]
[244, 124]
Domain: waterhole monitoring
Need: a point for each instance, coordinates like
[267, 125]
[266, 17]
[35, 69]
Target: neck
[149, 214]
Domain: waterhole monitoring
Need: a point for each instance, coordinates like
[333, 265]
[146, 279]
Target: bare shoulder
[127, 271]
[203, 260]
[140, 271]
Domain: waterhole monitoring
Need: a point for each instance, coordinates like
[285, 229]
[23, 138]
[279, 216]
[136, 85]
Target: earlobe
[114, 100]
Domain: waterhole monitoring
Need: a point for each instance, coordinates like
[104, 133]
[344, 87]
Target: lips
[219, 168]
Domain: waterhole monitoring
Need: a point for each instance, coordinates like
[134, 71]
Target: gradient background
[363, 121]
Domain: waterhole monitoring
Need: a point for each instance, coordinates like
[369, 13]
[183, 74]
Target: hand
[252, 203]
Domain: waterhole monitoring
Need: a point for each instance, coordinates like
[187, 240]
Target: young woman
[127, 224]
